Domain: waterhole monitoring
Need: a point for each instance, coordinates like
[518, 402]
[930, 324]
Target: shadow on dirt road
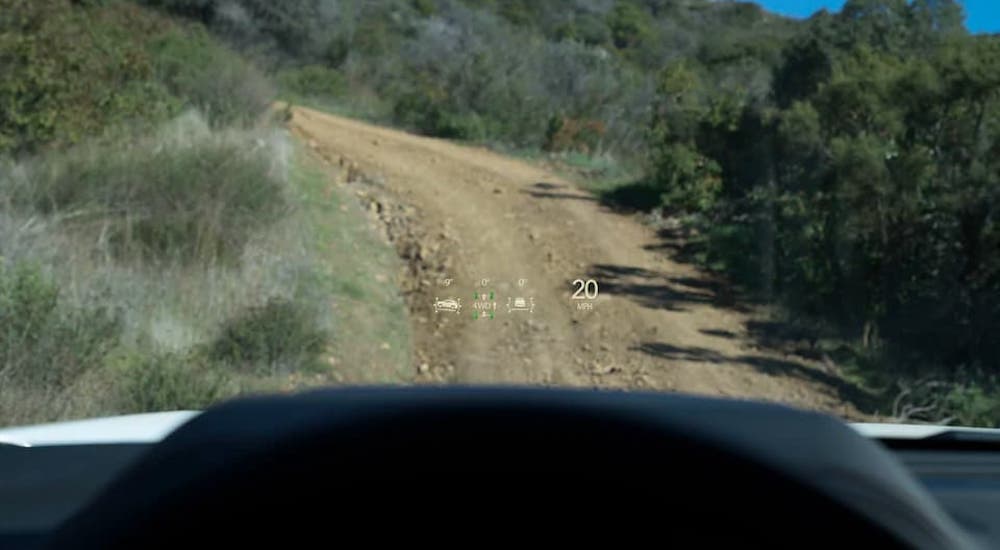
[788, 350]
[658, 290]
[545, 190]
[766, 365]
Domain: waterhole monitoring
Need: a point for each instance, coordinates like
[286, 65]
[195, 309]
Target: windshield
[201, 199]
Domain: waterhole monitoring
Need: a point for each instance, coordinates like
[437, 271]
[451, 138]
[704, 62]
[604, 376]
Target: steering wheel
[439, 466]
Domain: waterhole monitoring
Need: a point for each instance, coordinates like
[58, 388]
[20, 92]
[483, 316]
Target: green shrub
[569, 134]
[275, 336]
[312, 81]
[425, 8]
[629, 26]
[166, 382]
[973, 404]
[427, 111]
[592, 30]
[420, 110]
[43, 342]
[690, 181]
[70, 71]
[209, 77]
[193, 202]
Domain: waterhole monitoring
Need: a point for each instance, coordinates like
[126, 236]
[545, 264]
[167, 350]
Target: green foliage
[970, 404]
[586, 28]
[198, 9]
[44, 343]
[279, 335]
[425, 8]
[72, 71]
[426, 109]
[312, 81]
[567, 134]
[118, 256]
[189, 202]
[167, 382]
[629, 26]
[690, 180]
[687, 178]
[209, 77]
[69, 72]
[497, 70]
[336, 51]
[860, 190]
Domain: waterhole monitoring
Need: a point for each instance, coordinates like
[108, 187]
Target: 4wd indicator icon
[484, 305]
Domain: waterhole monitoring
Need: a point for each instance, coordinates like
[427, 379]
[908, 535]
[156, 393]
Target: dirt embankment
[468, 214]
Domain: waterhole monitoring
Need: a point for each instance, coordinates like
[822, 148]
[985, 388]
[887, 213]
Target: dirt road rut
[655, 324]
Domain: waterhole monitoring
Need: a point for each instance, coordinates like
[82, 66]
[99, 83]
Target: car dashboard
[46, 479]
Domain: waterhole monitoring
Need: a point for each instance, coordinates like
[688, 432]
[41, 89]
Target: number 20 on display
[585, 290]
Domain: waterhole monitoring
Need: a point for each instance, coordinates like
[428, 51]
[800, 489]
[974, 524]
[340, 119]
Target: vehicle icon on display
[520, 304]
[448, 305]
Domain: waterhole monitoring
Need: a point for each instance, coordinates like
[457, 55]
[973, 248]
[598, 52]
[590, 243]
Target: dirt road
[468, 214]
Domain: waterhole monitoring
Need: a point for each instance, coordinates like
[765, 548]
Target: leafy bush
[425, 8]
[568, 134]
[69, 72]
[72, 70]
[689, 180]
[312, 81]
[44, 343]
[168, 382]
[629, 26]
[426, 112]
[209, 77]
[276, 336]
[190, 201]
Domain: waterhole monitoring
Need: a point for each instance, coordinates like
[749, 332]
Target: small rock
[599, 369]
[424, 368]
[385, 345]
[381, 278]
[375, 142]
[532, 235]
[586, 347]
[497, 191]
[605, 347]
[313, 144]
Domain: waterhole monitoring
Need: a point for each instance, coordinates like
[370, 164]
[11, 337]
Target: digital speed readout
[483, 301]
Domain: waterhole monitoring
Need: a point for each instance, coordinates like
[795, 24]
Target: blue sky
[981, 15]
